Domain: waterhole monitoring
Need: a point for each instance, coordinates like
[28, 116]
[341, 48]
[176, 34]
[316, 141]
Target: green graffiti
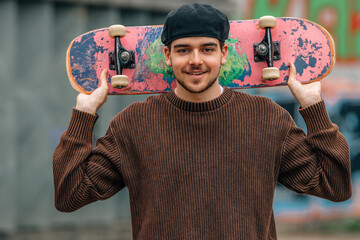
[233, 69]
[340, 31]
[156, 62]
[235, 64]
[357, 37]
[267, 7]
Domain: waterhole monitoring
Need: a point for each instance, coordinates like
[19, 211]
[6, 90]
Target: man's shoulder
[150, 102]
[136, 109]
[261, 108]
[260, 104]
[254, 100]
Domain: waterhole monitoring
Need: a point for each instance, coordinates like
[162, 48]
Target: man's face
[196, 62]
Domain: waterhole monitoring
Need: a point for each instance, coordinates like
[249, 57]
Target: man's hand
[91, 103]
[305, 94]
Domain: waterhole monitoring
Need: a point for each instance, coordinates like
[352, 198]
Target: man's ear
[167, 56]
[224, 52]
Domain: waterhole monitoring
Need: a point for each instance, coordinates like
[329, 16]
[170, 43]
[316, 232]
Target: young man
[202, 161]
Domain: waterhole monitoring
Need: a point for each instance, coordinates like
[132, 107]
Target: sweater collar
[199, 107]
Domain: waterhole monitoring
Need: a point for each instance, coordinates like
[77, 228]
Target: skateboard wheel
[117, 31]
[270, 73]
[119, 81]
[267, 21]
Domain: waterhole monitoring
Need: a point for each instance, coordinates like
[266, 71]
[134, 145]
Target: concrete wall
[225, 5]
[36, 104]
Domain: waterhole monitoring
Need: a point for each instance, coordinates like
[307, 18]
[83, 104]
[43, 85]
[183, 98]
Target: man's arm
[317, 163]
[82, 174]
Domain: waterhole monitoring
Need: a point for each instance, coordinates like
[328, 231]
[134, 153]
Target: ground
[343, 230]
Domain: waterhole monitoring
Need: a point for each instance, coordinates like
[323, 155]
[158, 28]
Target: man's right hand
[91, 103]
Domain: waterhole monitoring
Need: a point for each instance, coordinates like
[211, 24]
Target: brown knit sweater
[201, 170]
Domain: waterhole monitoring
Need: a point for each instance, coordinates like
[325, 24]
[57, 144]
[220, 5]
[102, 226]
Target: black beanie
[196, 20]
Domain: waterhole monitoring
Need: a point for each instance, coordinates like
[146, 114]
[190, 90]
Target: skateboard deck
[305, 43]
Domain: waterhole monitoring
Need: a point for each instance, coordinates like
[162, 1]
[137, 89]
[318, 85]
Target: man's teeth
[195, 73]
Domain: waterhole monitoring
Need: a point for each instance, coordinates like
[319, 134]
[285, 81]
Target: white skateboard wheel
[119, 81]
[117, 31]
[267, 21]
[270, 73]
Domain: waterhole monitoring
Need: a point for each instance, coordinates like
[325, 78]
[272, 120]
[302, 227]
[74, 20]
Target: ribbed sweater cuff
[316, 117]
[81, 124]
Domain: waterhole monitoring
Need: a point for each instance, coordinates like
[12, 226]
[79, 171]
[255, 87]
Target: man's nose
[195, 58]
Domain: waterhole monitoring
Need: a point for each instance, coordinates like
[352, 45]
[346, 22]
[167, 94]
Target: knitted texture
[201, 170]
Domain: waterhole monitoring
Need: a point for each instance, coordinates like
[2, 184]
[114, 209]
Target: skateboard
[259, 51]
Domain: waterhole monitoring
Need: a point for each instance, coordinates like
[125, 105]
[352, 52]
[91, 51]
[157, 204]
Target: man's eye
[208, 50]
[182, 51]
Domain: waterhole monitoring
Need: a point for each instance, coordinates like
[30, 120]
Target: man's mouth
[197, 73]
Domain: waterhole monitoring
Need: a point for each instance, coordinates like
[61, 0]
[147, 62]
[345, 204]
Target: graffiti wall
[341, 91]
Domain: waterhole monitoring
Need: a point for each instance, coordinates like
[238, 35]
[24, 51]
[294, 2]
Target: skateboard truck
[120, 58]
[267, 50]
[126, 60]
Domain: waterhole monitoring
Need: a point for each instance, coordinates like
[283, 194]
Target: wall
[37, 98]
[159, 5]
[36, 104]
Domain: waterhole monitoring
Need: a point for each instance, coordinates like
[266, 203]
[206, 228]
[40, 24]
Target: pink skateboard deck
[305, 43]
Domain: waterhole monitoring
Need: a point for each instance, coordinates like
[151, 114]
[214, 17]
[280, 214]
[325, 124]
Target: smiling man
[195, 49]
[201, 161]
[196, 63]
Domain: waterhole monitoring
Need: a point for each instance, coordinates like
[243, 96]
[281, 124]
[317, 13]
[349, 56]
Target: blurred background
[36, 103]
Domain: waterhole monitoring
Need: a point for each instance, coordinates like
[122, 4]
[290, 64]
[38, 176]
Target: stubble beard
[210, 83]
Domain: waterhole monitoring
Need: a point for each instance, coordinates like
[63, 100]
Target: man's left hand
[306, 94]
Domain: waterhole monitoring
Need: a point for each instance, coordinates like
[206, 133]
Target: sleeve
[319, 163]
[83, 174]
